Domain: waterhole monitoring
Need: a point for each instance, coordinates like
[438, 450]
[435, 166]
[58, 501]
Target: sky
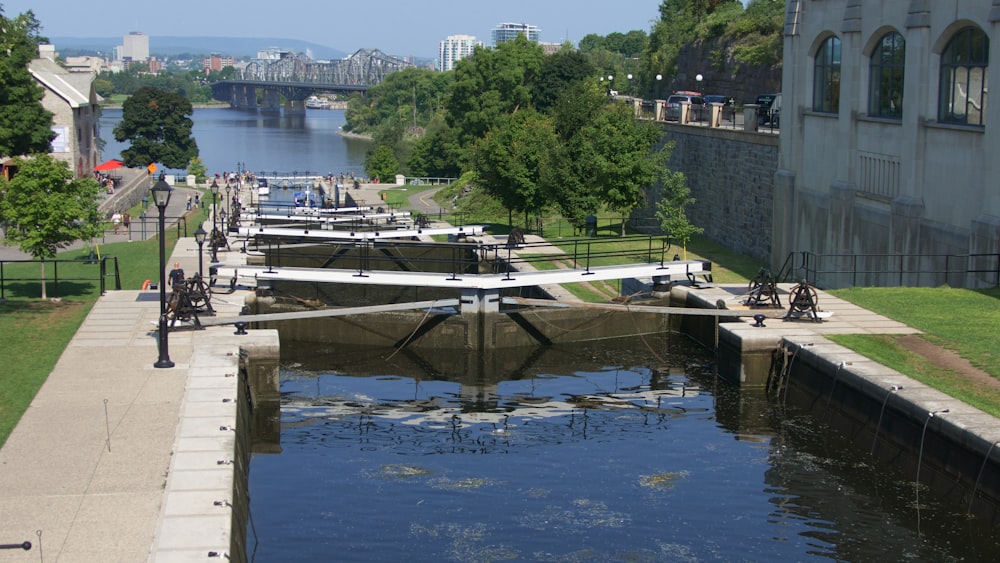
[396, 27]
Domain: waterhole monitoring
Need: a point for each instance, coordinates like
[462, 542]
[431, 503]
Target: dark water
[264, 141]
[583, 453]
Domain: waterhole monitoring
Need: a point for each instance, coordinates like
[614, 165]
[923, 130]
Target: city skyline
[396, 27]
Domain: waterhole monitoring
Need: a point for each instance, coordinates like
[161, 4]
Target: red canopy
[109, 165]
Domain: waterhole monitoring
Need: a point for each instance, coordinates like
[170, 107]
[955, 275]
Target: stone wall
[731, 175]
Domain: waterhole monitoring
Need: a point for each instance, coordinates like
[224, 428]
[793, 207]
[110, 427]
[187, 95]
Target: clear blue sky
[397, 27]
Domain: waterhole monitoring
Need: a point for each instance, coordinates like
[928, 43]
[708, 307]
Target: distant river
[263, 141]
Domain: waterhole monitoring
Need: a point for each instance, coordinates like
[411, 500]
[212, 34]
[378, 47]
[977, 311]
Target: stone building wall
[731, 175]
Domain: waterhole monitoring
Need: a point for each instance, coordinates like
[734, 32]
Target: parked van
[769, 112]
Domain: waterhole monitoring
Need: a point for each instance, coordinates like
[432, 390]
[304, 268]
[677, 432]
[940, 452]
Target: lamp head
[214, 187]
[161, 194]
[199, 235]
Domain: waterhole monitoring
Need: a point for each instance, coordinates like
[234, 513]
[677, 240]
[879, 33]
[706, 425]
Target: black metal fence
[893, 270]
[17, 276]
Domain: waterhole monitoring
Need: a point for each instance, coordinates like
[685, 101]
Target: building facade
[455, 48]
[509, 31]
[888, 147]
[135, 46]
[71, 98]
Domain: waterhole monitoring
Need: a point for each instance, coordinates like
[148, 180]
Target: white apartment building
[509, 31]
[135, 46]
[455, 48]
[888, 145]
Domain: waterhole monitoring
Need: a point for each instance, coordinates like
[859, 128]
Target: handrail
[99, 279]
[903, 270]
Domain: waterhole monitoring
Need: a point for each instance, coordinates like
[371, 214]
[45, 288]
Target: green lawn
[963, 320]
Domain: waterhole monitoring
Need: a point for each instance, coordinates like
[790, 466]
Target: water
[582, 453]
[263, 141]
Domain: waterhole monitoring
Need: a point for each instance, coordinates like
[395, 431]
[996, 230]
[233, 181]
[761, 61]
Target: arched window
[826, 77]
[885, 78]
[964, 72]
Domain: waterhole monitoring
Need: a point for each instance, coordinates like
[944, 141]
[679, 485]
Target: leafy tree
[158, 124]
[25, 126]
[621, 158]
[436, 153]
[510, 159]
[558, 71]
[675, 196]
[198, 169]
[45, 209]
[380, 162]
[491, 84]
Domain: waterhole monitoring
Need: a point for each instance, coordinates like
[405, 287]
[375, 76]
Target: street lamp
[161, 196]
[229, 206]
[199, 237]
[215, 192]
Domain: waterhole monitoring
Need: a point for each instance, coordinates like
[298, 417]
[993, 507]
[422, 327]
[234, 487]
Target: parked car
[673, 106]
[769, 112]
[728, 105]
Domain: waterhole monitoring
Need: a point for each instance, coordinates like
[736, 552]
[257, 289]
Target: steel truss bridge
[295, 77]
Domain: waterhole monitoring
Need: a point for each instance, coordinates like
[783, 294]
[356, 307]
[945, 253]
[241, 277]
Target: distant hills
[167, 46]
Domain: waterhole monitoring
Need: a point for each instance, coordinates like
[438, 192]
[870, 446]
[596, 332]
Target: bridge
[294, 77]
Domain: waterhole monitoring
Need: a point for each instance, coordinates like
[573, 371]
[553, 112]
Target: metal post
[161, 194]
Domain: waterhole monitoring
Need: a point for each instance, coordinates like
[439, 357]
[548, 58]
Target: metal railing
[892, 270]
[456, 257]
[96, 271]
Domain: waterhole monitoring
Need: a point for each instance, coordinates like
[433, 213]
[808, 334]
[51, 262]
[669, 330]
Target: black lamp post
[161, 196]
[199, 237]
[229, 206]
[215, 228]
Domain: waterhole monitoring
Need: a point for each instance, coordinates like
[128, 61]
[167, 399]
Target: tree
[45, 209]
[620, 157]
[675, 197]
[25, 126]
[198, 169]
[158, 124]
[380, 162]
[510, 159]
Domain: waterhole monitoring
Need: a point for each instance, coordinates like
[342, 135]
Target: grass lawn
[963, 320]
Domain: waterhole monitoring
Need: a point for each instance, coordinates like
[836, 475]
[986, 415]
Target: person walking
[126, 221]
[116, 220]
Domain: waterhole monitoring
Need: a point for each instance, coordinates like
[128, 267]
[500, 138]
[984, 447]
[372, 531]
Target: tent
[109, 165]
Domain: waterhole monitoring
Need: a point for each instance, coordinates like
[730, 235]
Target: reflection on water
[627, 451]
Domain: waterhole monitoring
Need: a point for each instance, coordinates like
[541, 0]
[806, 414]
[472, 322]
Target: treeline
[539, 131]
[193, 84]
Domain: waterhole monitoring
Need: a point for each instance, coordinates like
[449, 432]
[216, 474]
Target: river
[630, 450]
[269, 142]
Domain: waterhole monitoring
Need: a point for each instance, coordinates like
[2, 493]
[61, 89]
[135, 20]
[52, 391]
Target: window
[885, 79]
[826, 77]
[964, 73]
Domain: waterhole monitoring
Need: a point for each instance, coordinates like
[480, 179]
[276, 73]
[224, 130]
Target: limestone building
[888, 145]
[71, 98]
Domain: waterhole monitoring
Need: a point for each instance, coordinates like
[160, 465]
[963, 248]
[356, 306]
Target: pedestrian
[188, 202]
[176, 276]
[126, 220]
[116, 220]
[197, 200]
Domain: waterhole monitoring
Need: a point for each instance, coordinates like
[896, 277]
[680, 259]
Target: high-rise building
[135, 46]
[455, 48]
[509, 31]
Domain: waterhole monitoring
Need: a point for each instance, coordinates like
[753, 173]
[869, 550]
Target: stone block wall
[731, 174]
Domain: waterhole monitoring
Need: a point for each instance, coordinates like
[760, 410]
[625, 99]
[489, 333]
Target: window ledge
[935, 124]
